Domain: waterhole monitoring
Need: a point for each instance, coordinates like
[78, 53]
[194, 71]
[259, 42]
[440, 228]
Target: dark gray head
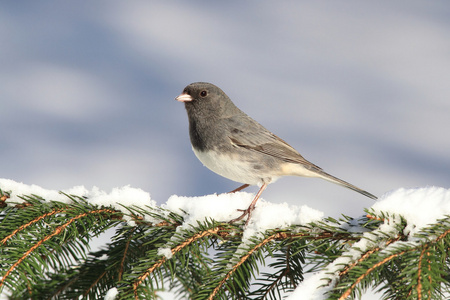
[207, 100]
[208, 109]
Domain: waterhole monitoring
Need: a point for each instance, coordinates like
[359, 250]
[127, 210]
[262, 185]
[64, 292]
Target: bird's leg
[251, 207]
[239, 188]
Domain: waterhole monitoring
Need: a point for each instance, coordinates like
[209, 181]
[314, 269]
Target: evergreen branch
[366, 256]
[289, 265]
[241, 261]
[24, 226]
[285, 272]
[442, 235]
[419, 274]
[370, 270]
[94, 284]
[124, 256]
[372, 217]
[44, 254]
[3, 197]
[163, 259]
[56, 232]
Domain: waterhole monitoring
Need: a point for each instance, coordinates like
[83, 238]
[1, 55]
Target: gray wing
[247, 133]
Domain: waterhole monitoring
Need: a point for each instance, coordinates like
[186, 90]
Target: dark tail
[343, 183]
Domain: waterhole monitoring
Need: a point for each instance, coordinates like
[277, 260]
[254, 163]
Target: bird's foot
[250, 209]
[245, 212]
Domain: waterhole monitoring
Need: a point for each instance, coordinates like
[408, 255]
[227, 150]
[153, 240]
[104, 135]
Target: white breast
[229, 167]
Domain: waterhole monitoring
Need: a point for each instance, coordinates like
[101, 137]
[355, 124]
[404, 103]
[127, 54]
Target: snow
[116, 198]
[224, 207]
[309, 288]
[111, 294]
[167, 252]
[419, 207]
[18, 188]
[269, 215]
[218, 207]
[103, 257]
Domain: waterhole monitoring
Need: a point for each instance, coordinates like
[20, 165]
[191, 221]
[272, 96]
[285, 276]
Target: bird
[230, 143]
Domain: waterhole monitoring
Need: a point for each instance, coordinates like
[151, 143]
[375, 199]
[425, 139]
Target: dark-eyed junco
[233, 145]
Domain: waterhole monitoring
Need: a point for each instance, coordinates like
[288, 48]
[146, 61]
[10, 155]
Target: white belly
[226, 166]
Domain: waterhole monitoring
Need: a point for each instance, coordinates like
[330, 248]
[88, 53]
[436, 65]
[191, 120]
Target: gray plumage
[232, 144]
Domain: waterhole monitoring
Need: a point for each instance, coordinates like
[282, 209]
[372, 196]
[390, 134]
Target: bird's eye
[203, 93]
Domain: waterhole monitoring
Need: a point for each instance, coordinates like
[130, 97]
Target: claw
[250, 209]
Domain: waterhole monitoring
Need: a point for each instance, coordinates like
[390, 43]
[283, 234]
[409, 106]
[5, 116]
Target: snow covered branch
[187, 246]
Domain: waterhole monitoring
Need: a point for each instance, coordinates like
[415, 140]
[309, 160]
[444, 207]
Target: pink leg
[251, 207]
[239, 188]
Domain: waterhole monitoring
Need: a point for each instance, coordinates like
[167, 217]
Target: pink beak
[184, 98]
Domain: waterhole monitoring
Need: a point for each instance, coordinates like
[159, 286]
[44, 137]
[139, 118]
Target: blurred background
[359, 88]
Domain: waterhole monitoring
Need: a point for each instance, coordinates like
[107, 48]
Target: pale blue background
[360, 88]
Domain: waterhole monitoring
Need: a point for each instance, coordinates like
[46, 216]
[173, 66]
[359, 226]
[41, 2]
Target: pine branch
[412, 270]
[45, 254]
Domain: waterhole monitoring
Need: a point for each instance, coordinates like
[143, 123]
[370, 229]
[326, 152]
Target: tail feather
[343, 183]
